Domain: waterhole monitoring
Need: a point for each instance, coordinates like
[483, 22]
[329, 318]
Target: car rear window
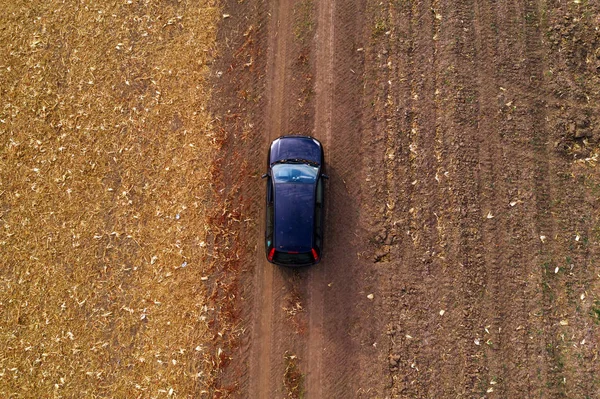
[293, 259]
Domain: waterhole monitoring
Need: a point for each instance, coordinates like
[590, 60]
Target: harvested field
[112, 234]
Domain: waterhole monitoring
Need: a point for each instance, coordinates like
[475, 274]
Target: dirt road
[300, 313]
[462, 141]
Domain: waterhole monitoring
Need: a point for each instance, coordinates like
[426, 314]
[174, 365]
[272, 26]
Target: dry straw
[105, 199]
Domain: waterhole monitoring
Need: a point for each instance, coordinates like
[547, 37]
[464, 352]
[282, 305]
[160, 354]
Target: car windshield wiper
[299, 160]
[296, 160]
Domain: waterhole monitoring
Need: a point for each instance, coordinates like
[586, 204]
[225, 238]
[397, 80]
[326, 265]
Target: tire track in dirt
[266, 362]
[389, 174]
[427, 207]
[526, 138]
[260, 370]
[511, 296]
[466, 269]
[338, 344]
[506, 313]
[552, 367]
[324, 89]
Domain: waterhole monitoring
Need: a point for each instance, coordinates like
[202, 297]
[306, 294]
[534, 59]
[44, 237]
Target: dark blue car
[294, 225]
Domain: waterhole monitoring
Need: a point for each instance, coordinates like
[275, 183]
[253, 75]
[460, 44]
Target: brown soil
[461, 140]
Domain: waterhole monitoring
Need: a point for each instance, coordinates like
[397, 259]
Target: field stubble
[113, 236]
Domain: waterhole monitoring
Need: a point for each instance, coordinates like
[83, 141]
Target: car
[295, 201]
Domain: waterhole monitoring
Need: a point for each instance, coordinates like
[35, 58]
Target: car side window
[270, 214]
[269, 190]
[318, 226]
[320, 191]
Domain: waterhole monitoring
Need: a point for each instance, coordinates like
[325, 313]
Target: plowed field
[462, 224]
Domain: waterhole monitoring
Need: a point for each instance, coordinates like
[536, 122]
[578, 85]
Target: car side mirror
[265, 175]
[324, 176]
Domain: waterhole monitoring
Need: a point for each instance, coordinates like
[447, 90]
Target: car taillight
[314, 254]
[271, 253]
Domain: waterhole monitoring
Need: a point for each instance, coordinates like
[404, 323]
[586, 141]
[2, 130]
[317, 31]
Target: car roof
[294, 217]
[296, 147]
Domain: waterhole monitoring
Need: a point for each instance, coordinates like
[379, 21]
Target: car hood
[295, 147]
[294, 217]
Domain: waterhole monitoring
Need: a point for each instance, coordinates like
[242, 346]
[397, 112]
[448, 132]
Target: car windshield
[294, 173]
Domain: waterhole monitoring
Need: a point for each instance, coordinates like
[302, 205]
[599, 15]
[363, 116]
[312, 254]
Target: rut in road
[267, 353]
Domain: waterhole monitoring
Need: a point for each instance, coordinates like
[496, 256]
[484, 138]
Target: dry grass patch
[106, 248]
[293, 379]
